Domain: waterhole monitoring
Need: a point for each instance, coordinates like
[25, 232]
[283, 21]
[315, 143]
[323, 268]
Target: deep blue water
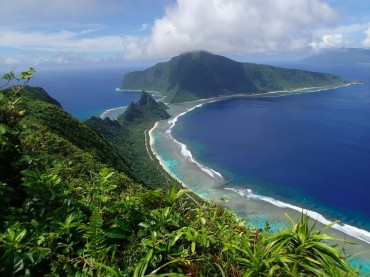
[86, 92]
[310, 150]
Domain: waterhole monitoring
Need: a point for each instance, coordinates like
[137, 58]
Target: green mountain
[70, 208]
[145, 110]
[129, 137]
[198, 75]
[340, 56]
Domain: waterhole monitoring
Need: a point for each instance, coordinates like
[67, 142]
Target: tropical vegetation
[73, 206]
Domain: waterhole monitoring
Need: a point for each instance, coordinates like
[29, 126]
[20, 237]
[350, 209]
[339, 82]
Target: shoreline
[114, 112]
[213, 188]
[137, 90]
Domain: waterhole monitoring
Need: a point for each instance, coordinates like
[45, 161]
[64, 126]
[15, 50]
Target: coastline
[113, 113]
[138, 90]
[210, 184]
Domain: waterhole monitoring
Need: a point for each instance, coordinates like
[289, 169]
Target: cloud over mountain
[138, 31]
[239, 26]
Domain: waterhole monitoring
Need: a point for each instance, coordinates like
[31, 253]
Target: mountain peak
[144, 110]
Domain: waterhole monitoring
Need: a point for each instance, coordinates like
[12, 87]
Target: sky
[71, 33]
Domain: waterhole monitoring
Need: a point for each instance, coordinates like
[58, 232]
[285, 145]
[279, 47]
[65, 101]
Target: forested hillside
[129, 137]
[71, 207]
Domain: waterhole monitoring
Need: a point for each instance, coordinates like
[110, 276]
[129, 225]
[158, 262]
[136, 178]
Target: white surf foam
[172, 121]
[345, 228]
[109, 112]
[185, 152]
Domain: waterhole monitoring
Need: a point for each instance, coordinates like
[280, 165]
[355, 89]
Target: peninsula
[198, 75]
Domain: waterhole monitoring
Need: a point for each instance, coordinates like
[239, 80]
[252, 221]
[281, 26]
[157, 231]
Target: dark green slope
[129, 137]
[144, 110]
[269, 78]
[201, 75]
[45, 112]
[37, 93]
[198, 75]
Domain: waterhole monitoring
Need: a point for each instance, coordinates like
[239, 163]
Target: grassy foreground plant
[302, 249]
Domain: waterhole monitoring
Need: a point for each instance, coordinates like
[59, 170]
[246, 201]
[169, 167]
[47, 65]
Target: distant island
[340, 56]
[198, 75]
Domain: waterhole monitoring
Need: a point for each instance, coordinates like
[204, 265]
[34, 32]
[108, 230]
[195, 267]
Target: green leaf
[166, 264]
[30, 173]
[122, 224]
[193, 246]
[111, 270]
[27, 74]
[8, 76]
[117, 233]
[21, 235]
[3, 129]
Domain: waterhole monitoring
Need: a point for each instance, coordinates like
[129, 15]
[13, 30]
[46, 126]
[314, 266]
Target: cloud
[11, 61]
[246, 26]
[351, 35]
[330, 41]
[60, 41]
[221, 26]
[144, 27]
[69, 57]
[366, 41]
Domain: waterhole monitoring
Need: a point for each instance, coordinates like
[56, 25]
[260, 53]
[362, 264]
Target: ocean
[311, 150]
[86, 92]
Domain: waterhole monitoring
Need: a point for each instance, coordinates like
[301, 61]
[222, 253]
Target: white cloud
[234, 26]
[366, 41]
[60, 41]
[144, 27]
[69, 57]
[330, 41]
[11, 61]
[222, 26]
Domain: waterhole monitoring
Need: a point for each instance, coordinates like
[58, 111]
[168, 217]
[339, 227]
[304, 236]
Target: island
[200, 74]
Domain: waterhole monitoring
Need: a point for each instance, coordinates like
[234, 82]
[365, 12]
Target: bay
[311, 150]
[88, 91]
